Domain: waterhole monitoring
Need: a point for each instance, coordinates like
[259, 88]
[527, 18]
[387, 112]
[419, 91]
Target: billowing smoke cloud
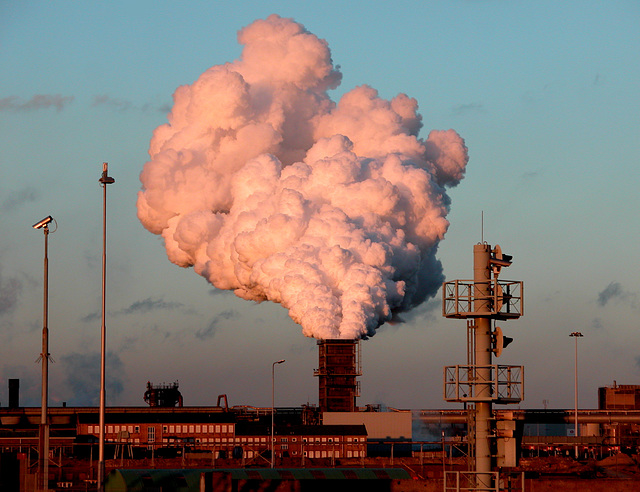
[268, 188]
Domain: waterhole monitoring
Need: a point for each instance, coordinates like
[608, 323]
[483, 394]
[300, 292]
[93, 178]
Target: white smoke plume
[266, 187]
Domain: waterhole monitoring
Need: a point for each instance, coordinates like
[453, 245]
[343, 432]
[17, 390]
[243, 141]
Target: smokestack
[14, 393]
[338, 368]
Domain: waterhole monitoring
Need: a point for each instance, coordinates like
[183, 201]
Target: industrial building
[478, 447]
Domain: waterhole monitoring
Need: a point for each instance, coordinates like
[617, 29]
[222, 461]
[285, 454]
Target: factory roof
[159, 417]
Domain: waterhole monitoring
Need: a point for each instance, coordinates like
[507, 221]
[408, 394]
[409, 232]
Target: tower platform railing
[502, 384]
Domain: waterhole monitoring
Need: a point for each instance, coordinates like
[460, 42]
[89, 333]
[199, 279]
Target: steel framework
[507, 383]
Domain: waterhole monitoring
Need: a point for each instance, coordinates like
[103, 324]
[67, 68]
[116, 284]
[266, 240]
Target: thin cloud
[145, 306]
[82, 374]
[10, 289]
[112, 102]
[90, 317]
[615, 292]
[118, 104]
[462, 109]
[38, 101]
[16, 199]
[210, 330]
[150, 304]
[531, 175]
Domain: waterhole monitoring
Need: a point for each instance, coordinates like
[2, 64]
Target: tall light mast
[43, 440]
[104, 180]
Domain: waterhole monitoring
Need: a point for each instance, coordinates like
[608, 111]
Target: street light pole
[104, 181]
[43, 440]
[576, 335]
[273, 392]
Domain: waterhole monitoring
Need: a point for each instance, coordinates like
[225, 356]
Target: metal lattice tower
[481, 302]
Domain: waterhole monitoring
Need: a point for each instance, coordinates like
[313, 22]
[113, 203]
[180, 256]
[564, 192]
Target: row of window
[171, 429]
[151, 437]
[224, 440]
[199, 429]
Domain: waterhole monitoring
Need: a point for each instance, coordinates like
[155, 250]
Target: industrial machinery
[163, 395]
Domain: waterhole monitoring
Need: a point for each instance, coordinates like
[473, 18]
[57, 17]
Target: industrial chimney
[14, 393]
[338, 368]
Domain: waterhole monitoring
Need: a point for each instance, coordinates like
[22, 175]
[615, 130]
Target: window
[294, 439]
[172, 429]
[164, 428]
[137, 428]
[151, 434]
[191, 429]
[224, 428]
[198, 429]
[330, 439]
[110, 429]
[304, 439]
[284, 446]
[284, 439]
[217, 428]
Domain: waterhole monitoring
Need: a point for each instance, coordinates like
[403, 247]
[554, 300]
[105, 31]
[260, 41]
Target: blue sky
[545, 95]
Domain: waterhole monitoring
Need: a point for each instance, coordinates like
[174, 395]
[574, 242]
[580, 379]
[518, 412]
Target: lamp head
[105, 179]
[42, 223]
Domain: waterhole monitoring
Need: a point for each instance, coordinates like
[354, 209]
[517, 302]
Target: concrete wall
[380, 425]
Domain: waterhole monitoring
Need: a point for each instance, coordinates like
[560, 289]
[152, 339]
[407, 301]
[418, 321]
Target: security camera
[43, 222]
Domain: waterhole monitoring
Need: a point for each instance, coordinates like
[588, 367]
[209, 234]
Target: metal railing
[471, 480]
[495, 383]
[474, 481]
[461, 299]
